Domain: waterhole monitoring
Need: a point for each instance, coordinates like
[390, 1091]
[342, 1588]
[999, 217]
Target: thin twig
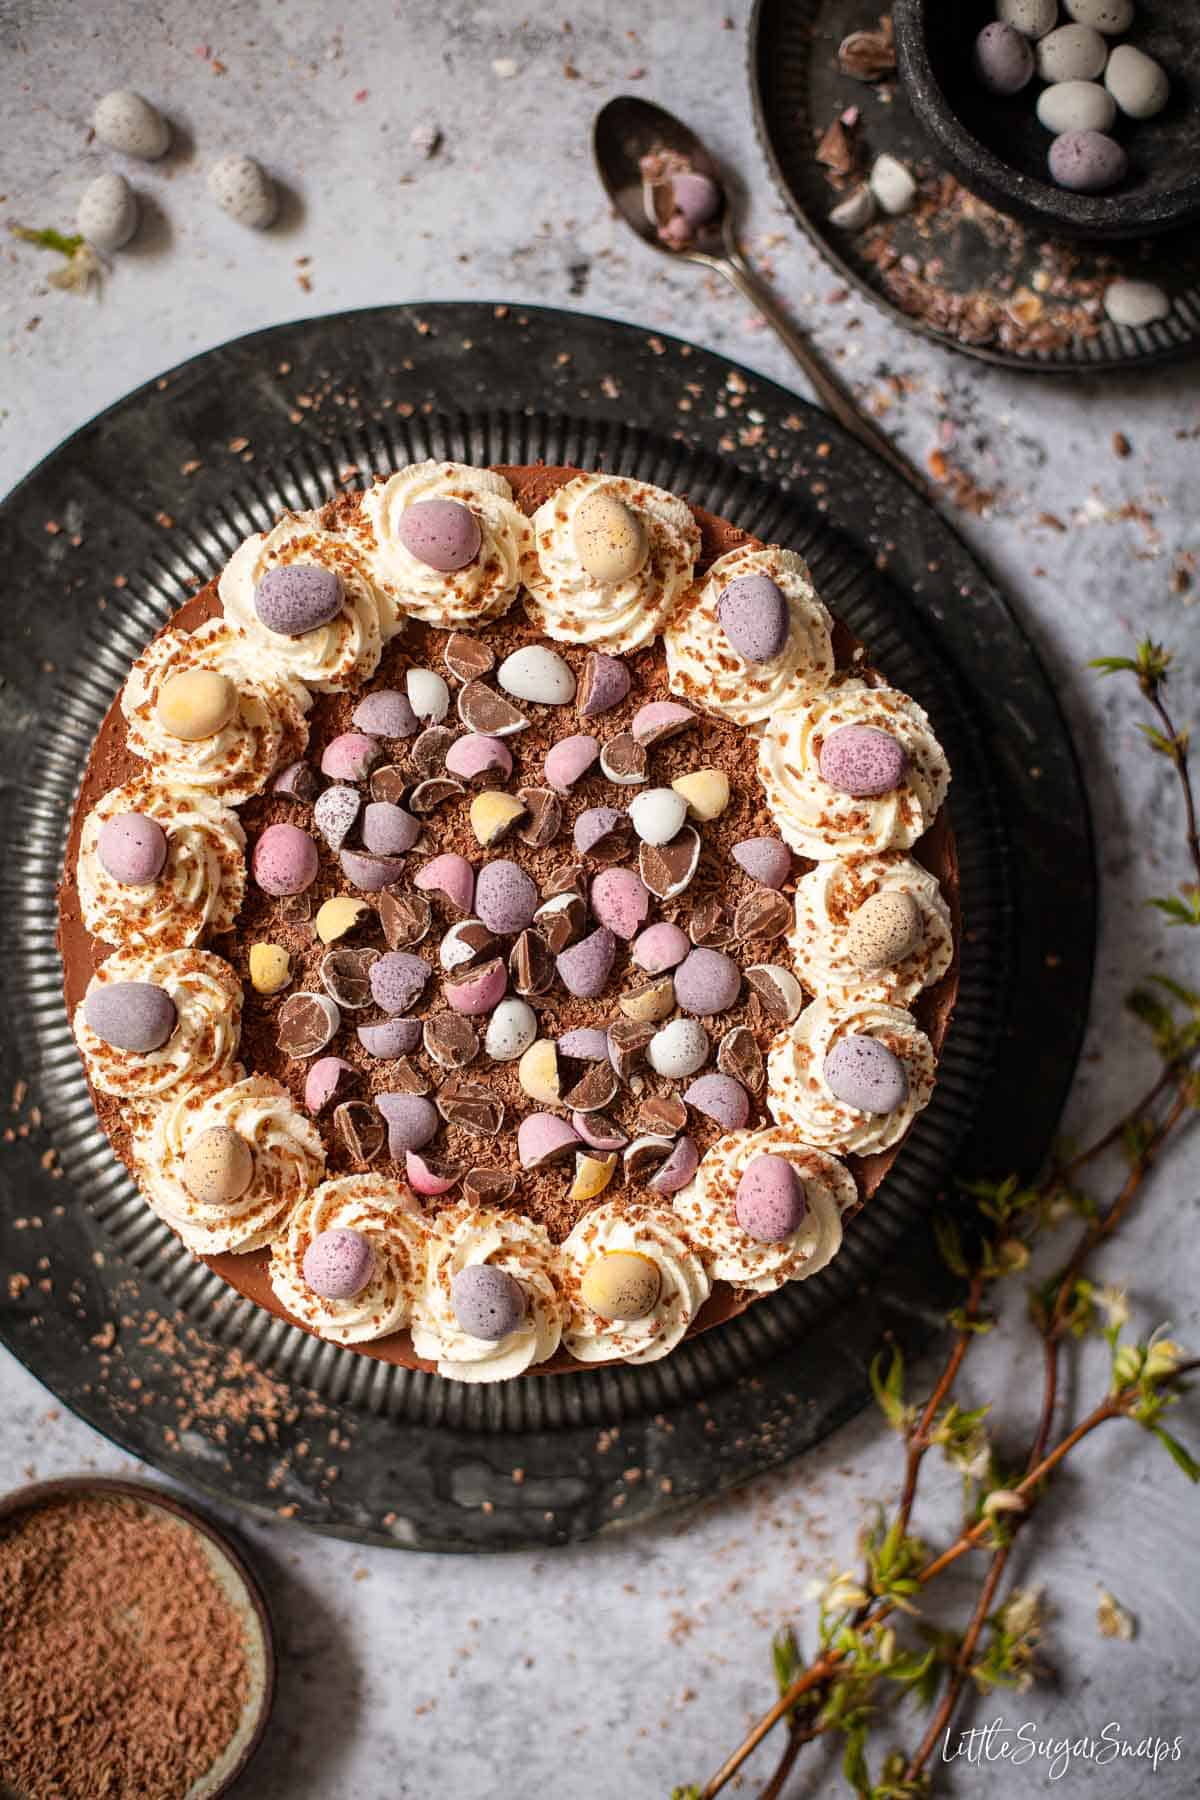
[1116, 1132]
[1180, 761]
[796, 1742]
[962, 1665]
[918, 1442]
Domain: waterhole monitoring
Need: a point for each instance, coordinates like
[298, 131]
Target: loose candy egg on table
[592, 1175]
[386, 713]
[493, 814]
[476, 756]
[584, 968]
[389, 1038]
[397, 979]
[610, 538]
[706, 792]
[720, 1098]
[863, 1073]
[538, 1074]
[218, 1166]
[127, 122]
[678, 1169]
[478, 990]
[706, 982]
[488, 1302]
[619, 901]
[339, 1263]
[754, 617]
[108, 212]
[770, 1202]
[678, 1049]
[338, 916]
[766, 860]
[661, 946]
[136, 1016]
[657, 814]
[621, 1284]
[132, 847]
[506, 897]
[569, 760]
[511, 1030]
[350, 756]
[412, 1121]
[543, 1138]
[195, 704]
[387, 830]
[603, 685]
[335, 813]
[450, 876]
[428, 694]
[242, 188]
[297, 598]
[326, 1079]
[442, 534]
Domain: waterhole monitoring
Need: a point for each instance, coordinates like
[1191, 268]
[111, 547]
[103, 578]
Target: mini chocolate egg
[133, 848]
[1135, 302]
[270, 968]
[505, 897]
[537, 674]
[428, 694]
[863, 1073]
[396, 980]
[1072, 53]
[584, 968]
[512, 1028]
[411, 1119]
[493, 815]
[1136, 82]
[387, 714]
[1076, 106]
[242, 188]
[610, 539]
[488, 1302]
[350, 756]
[620, 902]
[720, 1098]
[126, 122]
[753, 611]
[696, 196]
[862, 760]
[883, 930]
[1003, 59]
[622, 1285]
[770, 1202]
[679, 1048]
[298, 597]
[108, 212]
[661, 946]
[285, 860]
[339, 1263]
[218, 1166]
[706, 792]
[195, 704]
[766, 860]
[658, 814]
[442, 534]
[131, 1015]
[707, 982]
[1087, 162]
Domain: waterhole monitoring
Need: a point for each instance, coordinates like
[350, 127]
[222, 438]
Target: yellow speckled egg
[622, 1284]
[270, 968]
[339, 916]
[196, 704]
[610, 539]
[218, 1166]
[885, 929]
[493, 815]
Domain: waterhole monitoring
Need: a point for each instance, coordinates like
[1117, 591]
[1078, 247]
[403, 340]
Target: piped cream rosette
[341, 654]
[649, 1231]
[702, 665]
[385, 1213]
[465, 1235]
[200, 887]
[818, 820]
[486, 587]
[267, 729]
[569, 602]
[799, 1095]
[707, 1212]
[207, 997]
[286, 1148]
[825, 944]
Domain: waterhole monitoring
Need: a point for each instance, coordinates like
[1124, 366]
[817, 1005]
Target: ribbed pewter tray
[797, 91]
[141, 1337]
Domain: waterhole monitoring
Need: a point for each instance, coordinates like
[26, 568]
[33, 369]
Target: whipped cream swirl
[202, 882]
[208, 1024]
[702, 665]
[487, 587]
[466, 1234]
[817, 820]
[649, 1230]
[568, 603]
[289, 1159]
[342, 654]
[707, 1212]
[269, 728]
[797, 1092]
[388, 1217]
[827, 899]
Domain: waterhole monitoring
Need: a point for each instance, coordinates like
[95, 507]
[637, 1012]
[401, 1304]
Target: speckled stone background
[419, 1676]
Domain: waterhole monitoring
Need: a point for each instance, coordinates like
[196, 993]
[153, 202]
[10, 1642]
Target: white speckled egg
[428, 695]
[511, 1030]
[1136, 82]
[680, 1048]
[108, 212]
[538, 675]
[1076, 106]
[242, 188]
[657, 814]
[126, 122]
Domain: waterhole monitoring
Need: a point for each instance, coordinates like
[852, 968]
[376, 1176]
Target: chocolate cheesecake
[509, 925]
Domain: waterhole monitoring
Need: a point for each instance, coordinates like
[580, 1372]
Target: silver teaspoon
[627, 130]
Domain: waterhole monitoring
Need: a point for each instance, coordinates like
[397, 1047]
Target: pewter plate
[107, 1307]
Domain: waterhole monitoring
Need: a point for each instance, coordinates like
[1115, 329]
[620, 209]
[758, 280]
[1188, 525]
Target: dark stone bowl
[998, 149]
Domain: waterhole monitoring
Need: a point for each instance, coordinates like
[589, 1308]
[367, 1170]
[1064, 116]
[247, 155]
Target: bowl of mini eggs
[1080, 116]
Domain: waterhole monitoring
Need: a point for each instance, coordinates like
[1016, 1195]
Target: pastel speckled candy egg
[350, 756]
[538, 675]
[610, 539]
[324, 1079]
[396, 980]
[1003, 59]
[569, 760]
[1087, 162]
[679, 1049]
[720, 1098]
[863, 1073]
[1076, 106]
[770, 1202]
[543, 1138]
[1072, 53]
[442, 534]
[242, 188]
[270, 968]
[658, 814]
[1032, 17]
[488, 1302]
[1136, 82]
[428, 694]
[387, 714]
[706, 982]
[131, 1015]
[862, 760]
[285, 860]
[605, 684]
[339, 1263]
[766, 860]
[754, 617]
[505, 897]
[108, 212]
[621, 1284]
[883, 930]
[678, 1169]
[620, 901]
[478, 990]
[387, 1038]
[660, 947]
[475, 756]
[387, 830]
[297, 597]
[133, 848]
[584, 968]
[511, 1029]
[195, 704]
[450, 876]
[126, 122]
[411, 1120]
[1111, 17]
[218, 1166]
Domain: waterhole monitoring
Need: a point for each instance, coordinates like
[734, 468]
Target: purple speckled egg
[707, 981]
[584, 968]
[594, 823]
[584, 1044]
[133, 848]
[297, 598]
[397, 979]
[338, 1264]
[411, 1119]
[324, 1078]
[605, 684]
[488, 1302]
[696, 196]
[451, 876]
[474, 756]
[753, 611]
[1003, 59]
[766, 860]
[678, 1169]
[620, 901]
[370, 874]
[386, 1038]
[131, 1015]
[350, 757]
[544, 1138]
[863, 1073]
[285, 860]
[863, 760]
[1087, 162]
[505, 897]
[661, 947]
[570, 759]
[479, 990]
[387, 714]
[387, 830]
[720, 1098]
[770, 1202]
[442, 534]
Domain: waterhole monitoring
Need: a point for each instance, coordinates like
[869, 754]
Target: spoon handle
[836, 398]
